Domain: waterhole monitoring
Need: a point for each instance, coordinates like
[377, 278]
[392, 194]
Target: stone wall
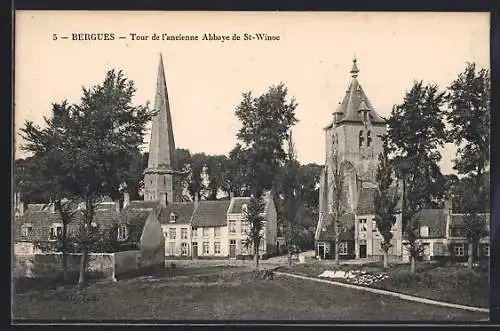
[101, 265]
[50, 264]
[25, 248]
[125, 261]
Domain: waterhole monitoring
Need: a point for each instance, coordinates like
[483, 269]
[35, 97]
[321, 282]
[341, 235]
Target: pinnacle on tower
[354, 69]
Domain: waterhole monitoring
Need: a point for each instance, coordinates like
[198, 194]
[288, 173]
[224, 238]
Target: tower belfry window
[368, 138]
[361, 138]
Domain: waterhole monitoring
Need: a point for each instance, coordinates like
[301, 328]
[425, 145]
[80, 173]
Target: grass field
[221, 294]
[452, 283]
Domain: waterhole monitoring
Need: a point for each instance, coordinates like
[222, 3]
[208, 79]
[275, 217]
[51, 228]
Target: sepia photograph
[189, 167]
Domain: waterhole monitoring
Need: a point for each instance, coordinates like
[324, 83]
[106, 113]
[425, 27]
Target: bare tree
[336, 204]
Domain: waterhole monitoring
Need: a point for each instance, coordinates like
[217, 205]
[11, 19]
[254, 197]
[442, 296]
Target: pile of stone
[356, 277]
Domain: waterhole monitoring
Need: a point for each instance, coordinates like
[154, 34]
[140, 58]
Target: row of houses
[191, 230]
[441, 233]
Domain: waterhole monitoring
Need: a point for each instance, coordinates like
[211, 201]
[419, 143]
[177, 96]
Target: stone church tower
[160, 182]
[353, 139]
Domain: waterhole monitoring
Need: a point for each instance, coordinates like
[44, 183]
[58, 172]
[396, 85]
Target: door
[195, 250]
[232, 249]
[426, 252]
[321, 251]
[362, 251]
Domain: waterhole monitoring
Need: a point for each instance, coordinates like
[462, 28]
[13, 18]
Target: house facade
[215, 229]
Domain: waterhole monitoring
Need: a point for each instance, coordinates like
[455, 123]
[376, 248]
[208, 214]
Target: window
[368, 138]
[184, 249]
[55, 231]
[362, 225]
[164, 180]
[216, 247]
[216, 232]
[343, 248]
[424, 231]
[459, 249]
[244, 227]
[184, 233]
[205, 232]
[122, 232]
[173, 217]
[205, 248]
[244, 208]
[171, 233]
[361, 138]
[195, 232]
[232, 227]
[486, 250]
[27, 229]
[374, 225]
[171, 248]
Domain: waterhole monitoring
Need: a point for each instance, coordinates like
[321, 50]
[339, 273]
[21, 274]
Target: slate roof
[141, 204]
[435, 219]
[183, 211]
[346, 226]
[354, 100]
[366, 204]
[235, 207]
[366, 201]
[212, 213]
[458, 219]
[41, 219]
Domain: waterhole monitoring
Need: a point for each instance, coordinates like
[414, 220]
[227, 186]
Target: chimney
[231, 195]
[117, 206]
[126, 199]
[196, 200]
[163, 199]
[52, 207]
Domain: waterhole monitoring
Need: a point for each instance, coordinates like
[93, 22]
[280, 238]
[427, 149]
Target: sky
[206, 79]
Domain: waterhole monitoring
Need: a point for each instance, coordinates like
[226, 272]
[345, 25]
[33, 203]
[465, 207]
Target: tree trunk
[289, 257]
[386, 259]
[470, 258]
[256, 259]
[83, 265]
[65, 251]
[337, 258]
[412, 264]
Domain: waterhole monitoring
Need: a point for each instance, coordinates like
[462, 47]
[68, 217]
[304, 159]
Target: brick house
[214, 229]
[237, 227]
[441, 233]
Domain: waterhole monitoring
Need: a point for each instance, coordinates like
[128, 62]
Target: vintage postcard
[251, 166]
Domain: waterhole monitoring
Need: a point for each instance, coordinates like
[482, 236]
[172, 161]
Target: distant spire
[162, 162]
[354, 70]
[162, 145]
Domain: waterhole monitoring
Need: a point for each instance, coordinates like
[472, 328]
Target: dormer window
[361, 138]
[55, 231]
[424, 231]
[173, 217]
[27, 229]
[368, 138]
[244, 208]
[122, 232]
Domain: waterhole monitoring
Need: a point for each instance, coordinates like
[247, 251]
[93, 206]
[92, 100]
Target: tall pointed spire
[162, 161]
